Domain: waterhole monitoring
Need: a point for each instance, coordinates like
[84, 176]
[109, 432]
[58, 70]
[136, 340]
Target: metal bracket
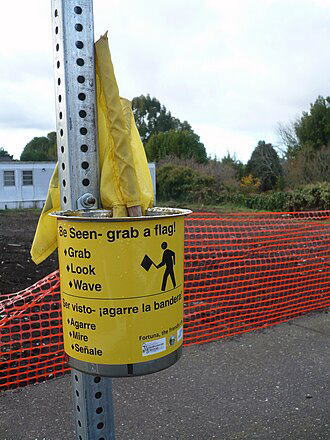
[87, 201]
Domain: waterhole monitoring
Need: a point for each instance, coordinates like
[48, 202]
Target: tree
[311, 131]
[41, 149]
[265, 164]
[183, 144]
[152, 118]
[308, 166]
[289, 143]
[237, 165]
[4, 155]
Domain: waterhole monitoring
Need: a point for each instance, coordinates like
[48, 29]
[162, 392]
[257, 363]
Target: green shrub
[313, 196]
[309, 197]
[184, 184]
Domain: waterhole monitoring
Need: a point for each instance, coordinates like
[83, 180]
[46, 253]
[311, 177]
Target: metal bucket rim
[105, 215]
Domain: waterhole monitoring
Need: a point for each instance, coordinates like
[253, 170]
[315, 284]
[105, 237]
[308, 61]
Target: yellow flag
[125, 177]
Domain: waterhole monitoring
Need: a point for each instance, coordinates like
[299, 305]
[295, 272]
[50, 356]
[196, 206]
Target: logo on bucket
[153, 347]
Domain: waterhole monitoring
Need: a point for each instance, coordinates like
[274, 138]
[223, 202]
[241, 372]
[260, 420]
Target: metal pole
[73, 32]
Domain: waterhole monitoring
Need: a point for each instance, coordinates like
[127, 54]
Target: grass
[197, 207]
[9, 212]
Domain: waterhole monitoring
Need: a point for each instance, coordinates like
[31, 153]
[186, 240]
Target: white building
[25, 184]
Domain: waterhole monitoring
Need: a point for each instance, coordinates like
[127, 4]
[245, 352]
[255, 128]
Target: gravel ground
[269, 384]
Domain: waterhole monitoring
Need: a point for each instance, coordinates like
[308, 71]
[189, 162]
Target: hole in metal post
[59, 98]
[76, 378]
[80, 79]
[60, 115]
[85, 182]
[64, 199]
[78, 27]
[61, 132]
[83, 130]
[56, 30]
[85, 165]
[79, 44]
[62, 149]
[64, 182]
[78, 408]
[100, 425]
[56, 13]
[58, 64]
[98, 395]
[97, 379]
[79, 423]
[63, 166]
[77, 393]
[99, 410]
[84, 148]
[58, 81]
[82, 114]
[77, 10]
[82, 96]
[57, 47]
[80, 62]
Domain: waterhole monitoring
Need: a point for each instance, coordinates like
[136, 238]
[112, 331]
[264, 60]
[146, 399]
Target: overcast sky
[232, 69]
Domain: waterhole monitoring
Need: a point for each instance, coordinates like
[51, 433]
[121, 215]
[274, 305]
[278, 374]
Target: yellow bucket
[122, 290]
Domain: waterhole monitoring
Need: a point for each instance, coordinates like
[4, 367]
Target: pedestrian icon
[168, 260]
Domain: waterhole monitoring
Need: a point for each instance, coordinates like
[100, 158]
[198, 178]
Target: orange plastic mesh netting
[243, 271]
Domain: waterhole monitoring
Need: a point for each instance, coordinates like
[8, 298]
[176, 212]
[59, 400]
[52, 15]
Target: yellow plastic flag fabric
[125, 179]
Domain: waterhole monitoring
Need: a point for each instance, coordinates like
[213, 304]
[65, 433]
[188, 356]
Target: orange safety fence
[243, 272]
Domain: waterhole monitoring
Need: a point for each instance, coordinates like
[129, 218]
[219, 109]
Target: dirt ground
[17, 271]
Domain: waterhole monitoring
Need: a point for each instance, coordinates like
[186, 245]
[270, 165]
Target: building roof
[19, 162]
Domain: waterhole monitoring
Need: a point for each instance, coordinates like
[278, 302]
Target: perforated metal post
[75, 102]
[73, 32]
[92, 397]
